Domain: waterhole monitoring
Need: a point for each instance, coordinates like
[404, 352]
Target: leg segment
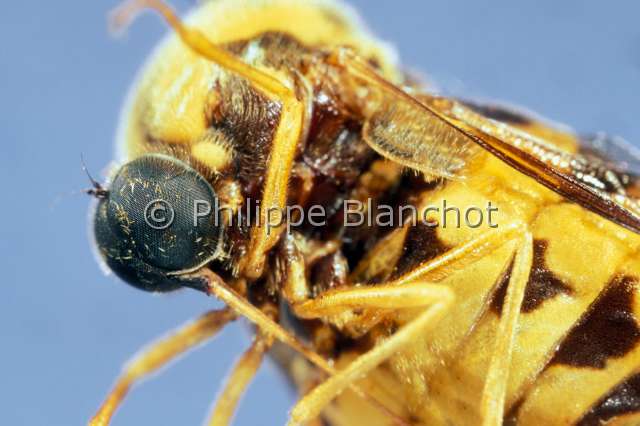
[159, 354]
[269, 327]
[495, 386]
[396, 295]
[409, 291]
[274, 197]
[122, 16]
[238, 380]
[287, 135]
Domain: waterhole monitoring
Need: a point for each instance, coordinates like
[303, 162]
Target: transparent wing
[438, 135]
[588, 181]
[401, 128]
[615, 152]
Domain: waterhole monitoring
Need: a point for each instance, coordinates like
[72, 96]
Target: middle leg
[495, 386]
[414, 289]
[394, 295]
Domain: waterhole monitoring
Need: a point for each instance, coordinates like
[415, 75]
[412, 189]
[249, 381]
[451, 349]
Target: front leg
[286, 137]
[274, 197]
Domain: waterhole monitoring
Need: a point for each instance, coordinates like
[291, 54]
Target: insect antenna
[98, 190]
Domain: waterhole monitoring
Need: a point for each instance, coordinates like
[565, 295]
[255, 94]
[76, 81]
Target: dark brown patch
[420, 245]
[499, 113]
[324, 422]
[414, 420]
[409, 190]
[249, 121]
[497, 301]
[282, 51]
[623, 399]
[376, 186]
[345, 343]
[277, 50]
[543, 284]
[329, 272]
[608, 329]
[511, 416]
[334, 147]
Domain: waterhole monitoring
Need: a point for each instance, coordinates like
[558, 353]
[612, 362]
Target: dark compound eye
[157, 219]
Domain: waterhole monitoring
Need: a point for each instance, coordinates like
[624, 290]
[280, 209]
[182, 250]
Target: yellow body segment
[437, 378]
[440, 380]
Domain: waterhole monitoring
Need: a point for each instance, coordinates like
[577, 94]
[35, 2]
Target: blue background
[65, 329]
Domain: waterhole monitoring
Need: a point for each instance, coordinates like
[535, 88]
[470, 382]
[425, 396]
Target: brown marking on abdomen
[497, 300]
[421, 244]
[622, 399]
[542, 285]
[607, 330]
[511, 417]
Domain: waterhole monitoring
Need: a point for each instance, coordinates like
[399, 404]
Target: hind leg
[495, 387]
[409, 291]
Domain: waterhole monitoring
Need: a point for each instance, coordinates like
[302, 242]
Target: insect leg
[409, 291]
[288, 132]
[276, 185]
[393, 295]
[464, 254]
[269, 327]
[495, 386]
[158, 355]
[240, 377]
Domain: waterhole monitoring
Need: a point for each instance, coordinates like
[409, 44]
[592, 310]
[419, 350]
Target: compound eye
[159, 215]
